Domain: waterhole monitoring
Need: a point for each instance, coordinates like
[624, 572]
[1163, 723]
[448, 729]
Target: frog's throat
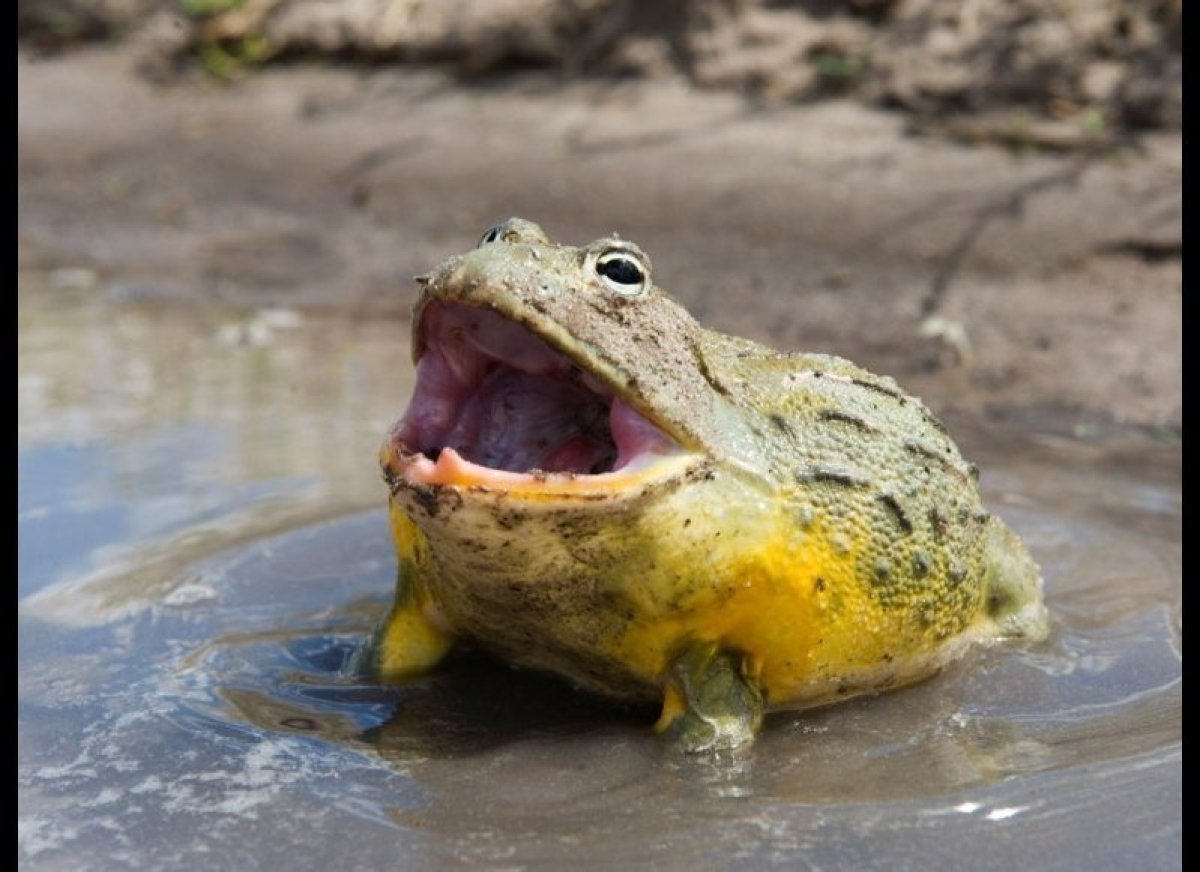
[496, 406]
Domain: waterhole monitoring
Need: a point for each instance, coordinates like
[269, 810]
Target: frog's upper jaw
[496, 407]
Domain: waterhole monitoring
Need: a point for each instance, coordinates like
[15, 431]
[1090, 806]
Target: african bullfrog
[587, 481]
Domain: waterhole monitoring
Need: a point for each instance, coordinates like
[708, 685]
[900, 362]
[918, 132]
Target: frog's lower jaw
[712, 701]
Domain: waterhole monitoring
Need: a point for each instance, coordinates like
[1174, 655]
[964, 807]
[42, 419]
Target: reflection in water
[195, 576]
[162, 437]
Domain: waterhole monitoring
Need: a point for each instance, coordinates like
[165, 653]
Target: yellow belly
[611, 608]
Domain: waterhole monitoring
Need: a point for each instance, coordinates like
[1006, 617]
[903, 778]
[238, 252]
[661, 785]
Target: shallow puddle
[203, 543]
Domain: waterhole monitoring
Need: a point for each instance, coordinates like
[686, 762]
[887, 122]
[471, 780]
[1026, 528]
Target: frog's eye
[492, 235]
[622, 272]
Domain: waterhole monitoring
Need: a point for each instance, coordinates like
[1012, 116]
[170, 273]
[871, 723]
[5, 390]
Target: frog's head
[552, 371]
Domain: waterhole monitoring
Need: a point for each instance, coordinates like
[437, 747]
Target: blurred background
[221, 207]
[924, 186]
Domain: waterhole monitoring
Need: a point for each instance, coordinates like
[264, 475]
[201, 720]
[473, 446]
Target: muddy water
[203, 542]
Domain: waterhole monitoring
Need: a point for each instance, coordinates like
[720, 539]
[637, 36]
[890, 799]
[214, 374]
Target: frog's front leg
[711, 702]
[407, 643]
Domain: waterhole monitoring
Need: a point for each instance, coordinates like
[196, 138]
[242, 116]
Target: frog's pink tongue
[503, 399]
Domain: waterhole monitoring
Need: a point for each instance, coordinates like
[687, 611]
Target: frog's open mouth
[494, 404]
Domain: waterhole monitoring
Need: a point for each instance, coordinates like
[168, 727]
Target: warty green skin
[806, 438]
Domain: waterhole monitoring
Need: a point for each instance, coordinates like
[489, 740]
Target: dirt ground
[1056, 74]
[1015, 287]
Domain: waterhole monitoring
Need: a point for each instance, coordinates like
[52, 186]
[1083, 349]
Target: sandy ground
[1018, 289]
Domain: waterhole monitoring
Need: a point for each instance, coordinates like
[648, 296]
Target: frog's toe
[710, 703]
[693, 733]
[1013, 589]
[407, 643]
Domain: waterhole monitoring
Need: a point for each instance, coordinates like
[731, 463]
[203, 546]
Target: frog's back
[878, 488]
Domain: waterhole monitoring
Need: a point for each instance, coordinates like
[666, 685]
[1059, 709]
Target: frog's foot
[711, 702]
[1014, 599]
[409, 641]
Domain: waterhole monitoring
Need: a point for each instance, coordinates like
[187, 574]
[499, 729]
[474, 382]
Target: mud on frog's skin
[587, 481]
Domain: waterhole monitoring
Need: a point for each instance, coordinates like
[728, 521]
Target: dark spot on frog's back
[697, 356]
[897, 511]
[780, 423]
[840, 417]
[828, 475]
[887, 390]
[942, 458]
[892, 390]
[921, 564]
[938, 523]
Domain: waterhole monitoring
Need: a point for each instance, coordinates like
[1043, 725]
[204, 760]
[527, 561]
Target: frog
[588, 482]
